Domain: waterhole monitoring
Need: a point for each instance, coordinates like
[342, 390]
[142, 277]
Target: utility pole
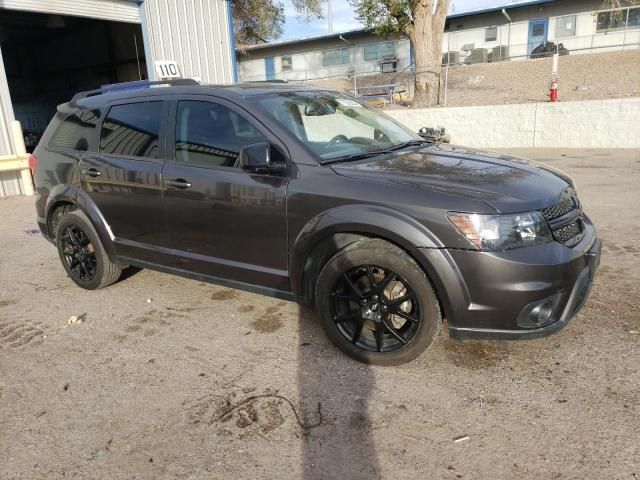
[330, 15]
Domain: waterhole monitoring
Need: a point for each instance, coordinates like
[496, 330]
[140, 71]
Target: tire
[82, 254]
[372, 286]
[57, 214]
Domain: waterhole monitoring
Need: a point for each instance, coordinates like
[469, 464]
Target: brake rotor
[397, 289]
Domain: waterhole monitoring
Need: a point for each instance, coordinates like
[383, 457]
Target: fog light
[539, 313]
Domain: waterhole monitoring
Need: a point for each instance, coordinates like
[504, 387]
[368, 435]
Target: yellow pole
[21, 151]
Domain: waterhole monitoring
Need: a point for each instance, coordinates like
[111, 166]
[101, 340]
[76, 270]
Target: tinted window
[210, 135]
[611, 20]
[537, 30]
[376, 51]
[634, 18]
[132, 130]
[75, 130]
[490, 34]
[338, 56]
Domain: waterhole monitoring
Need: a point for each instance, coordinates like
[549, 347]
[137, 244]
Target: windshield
[335, 126]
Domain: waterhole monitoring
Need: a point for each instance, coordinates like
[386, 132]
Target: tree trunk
[427, 75]
[425, 34]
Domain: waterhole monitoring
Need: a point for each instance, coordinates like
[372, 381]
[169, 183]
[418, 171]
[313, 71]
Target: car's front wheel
[82, 253]
[376, 304]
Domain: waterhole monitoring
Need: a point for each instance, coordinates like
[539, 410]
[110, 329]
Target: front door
[123, 178]
[538, 30]
[269, 69]
[223, 221]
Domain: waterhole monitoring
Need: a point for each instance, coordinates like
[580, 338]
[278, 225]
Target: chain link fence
[483, 66]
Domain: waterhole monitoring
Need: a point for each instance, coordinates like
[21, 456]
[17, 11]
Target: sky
[344, 17]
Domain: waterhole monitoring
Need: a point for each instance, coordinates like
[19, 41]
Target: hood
[506, 183]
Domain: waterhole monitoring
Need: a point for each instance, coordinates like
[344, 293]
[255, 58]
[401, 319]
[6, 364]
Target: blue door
[269, 68]
[538, 30]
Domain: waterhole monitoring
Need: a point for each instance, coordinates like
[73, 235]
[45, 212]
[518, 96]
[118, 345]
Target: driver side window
[211, 135]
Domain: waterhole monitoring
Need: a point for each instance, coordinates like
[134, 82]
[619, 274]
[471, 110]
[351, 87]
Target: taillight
[32, 160]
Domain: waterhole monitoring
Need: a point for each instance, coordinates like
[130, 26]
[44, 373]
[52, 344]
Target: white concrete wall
[587, 124]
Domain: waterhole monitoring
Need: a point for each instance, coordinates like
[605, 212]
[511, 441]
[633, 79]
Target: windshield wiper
[373, 153]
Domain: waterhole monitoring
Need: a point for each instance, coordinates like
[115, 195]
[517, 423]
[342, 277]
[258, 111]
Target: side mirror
[256, 158]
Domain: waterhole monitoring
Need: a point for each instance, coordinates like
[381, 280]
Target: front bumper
[494, 289]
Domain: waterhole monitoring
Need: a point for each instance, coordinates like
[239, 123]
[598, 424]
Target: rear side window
[132, 130]
[75, 131]
[211, 135]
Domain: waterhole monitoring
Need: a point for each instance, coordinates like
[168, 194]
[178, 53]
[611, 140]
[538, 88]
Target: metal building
[50, 49]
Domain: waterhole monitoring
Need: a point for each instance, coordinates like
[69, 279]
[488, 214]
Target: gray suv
[310, 195]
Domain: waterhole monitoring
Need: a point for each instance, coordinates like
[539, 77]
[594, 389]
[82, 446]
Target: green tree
[262, 20]
[423, 22]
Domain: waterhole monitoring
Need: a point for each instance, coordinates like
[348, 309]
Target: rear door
[124, 178]
[224, 221]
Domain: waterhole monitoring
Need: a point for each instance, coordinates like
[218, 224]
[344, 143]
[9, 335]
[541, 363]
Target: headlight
[500, 232]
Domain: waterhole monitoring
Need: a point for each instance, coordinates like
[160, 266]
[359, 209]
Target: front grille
[561, 208]
[566, 233]
[570, 230]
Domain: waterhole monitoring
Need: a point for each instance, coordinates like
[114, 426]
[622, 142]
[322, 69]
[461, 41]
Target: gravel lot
[588, 76]
[172, 378]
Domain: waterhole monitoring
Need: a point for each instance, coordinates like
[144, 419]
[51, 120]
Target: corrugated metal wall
[116, 10]
[10, 184]
[6, 114]
[194, 33]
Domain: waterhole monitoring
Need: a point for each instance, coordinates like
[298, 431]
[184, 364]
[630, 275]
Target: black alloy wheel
[376, 304]
[79, 253]
[375, 308]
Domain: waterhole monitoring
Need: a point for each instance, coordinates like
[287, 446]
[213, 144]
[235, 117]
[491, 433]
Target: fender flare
[82, 201]
[396, 227]
[367, 220]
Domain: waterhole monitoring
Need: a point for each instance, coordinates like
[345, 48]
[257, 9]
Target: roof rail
[115, 87]
[266, 81]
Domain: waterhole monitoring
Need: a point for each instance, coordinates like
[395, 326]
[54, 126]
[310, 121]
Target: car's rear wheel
[82, 253]
[376, 304]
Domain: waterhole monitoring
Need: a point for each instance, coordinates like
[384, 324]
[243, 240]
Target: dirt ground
[589, 76]
[172, 378]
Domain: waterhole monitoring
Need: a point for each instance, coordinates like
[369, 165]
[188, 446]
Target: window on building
[491, 34]
[286, 63]
[211, 135]
[75, 131]
[537, 30]
[132, 130]
[338, 56]
[377, 51]
[566, 26]
[633, 20]
[611, 20]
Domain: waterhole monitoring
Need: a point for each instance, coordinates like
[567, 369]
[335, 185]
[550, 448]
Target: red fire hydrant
[553, 90]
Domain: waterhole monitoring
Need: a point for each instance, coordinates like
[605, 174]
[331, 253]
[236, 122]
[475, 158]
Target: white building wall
[7, 146]
[586, 124]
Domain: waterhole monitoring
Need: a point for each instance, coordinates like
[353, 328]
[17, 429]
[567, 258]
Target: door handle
[178, 183]
[91, 172]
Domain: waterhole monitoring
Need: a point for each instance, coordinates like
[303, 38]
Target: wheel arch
[334, 229]
[69, 195]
